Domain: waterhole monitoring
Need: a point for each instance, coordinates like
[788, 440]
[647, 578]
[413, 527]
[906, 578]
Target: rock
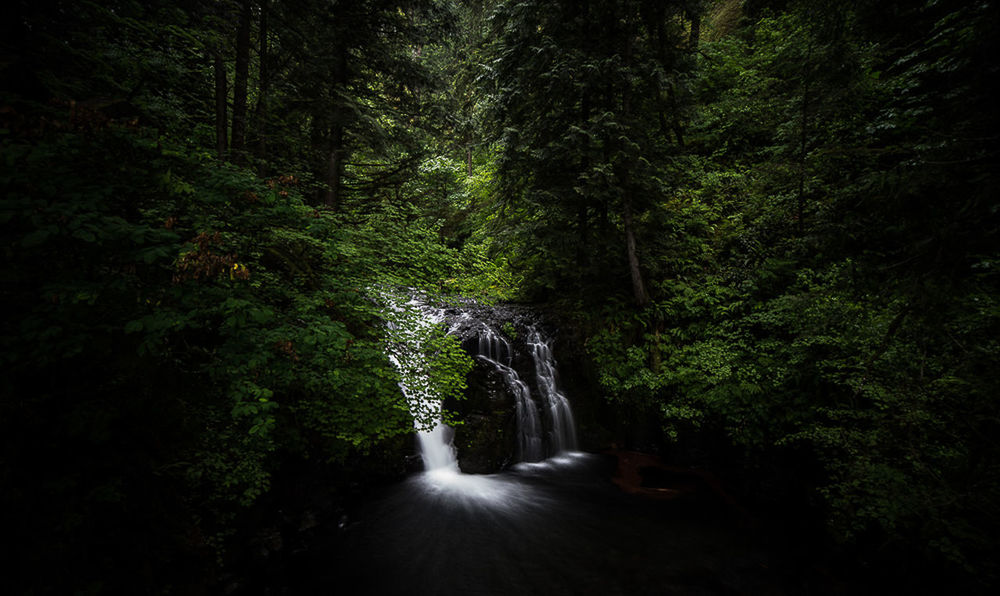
[649, 476]
[486, 434]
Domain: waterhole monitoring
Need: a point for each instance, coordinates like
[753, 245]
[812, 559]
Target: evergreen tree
[577, 88]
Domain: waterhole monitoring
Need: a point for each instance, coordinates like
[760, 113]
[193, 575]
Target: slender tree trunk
[803, 143]
[259, 111]
[242, 76]
[319, 146]
[335, 168]
[638, 287]
[695, 34]
[582, 216]
[800, 195]
[582, 213]
[335, 162]
[221, 97]
[664, 46]
[675, 122]
[694, 37]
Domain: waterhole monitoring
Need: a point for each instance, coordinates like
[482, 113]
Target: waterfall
[410, 324]
[544, 426]
[497, 351]
[562, 437]
[538, 436]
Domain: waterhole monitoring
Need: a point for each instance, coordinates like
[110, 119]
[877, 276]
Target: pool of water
[557, 527]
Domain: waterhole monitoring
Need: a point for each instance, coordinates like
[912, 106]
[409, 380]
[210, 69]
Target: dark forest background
[772, 226]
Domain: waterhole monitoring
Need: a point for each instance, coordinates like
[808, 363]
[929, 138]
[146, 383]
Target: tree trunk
[259, 111]
[803, 143]
[221, 117]
[675, 123]
[582, 228]
[582, 216]
[624, 177]
[638, 287]
[800, 195]
[695, 34]
[240, 81]
[335, 168]
[335, 162]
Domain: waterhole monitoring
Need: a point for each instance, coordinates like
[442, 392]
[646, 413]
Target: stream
[555, 527]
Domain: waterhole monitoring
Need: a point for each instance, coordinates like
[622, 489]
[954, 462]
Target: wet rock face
[491, 433]
[485, 439]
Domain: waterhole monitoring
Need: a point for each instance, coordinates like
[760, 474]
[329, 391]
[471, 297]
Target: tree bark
[259, 112]
[241, 78]
[221, 97]
[638, 287]
[582, 216]
[335, 168]
[675, 123]
[582, 228]
[335, 161]
[695, 34]
[803, 142]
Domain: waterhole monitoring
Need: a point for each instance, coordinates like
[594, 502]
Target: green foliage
[577, 95]
[177, 327]
[198, 278]
[431, 363]
[809, 197]
[203, 305]
[818, 287]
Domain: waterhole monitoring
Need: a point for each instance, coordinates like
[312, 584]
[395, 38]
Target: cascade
[497, 351]
[410, 324]
[544, 426]
[563, 434]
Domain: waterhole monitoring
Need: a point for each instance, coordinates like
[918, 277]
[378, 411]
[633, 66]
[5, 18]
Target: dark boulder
[485, 435]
